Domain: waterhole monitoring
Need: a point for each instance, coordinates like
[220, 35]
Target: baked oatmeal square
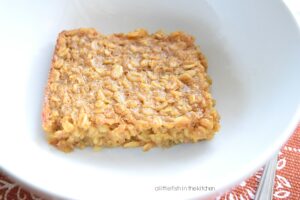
[130, 90]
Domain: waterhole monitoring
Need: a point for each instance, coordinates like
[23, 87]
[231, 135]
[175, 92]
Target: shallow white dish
[253, 50]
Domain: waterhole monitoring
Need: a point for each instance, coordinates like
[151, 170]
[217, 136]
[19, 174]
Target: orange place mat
[287, 180]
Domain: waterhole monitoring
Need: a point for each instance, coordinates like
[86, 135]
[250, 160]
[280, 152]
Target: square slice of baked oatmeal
[130, 90]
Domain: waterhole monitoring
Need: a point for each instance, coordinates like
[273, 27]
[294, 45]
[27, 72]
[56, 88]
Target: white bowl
[253, 50]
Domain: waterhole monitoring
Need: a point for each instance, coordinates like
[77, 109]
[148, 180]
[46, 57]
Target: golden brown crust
[196, 120]
[46, 109]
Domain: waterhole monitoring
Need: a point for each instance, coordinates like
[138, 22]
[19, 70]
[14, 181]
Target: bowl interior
[253, 61]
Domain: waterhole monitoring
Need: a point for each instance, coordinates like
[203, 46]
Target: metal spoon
[266, 184]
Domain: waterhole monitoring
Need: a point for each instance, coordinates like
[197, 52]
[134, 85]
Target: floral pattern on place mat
[12, 191]
[286, 187]
[287, 179]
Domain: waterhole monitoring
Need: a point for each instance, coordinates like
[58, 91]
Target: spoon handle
[266, 184]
